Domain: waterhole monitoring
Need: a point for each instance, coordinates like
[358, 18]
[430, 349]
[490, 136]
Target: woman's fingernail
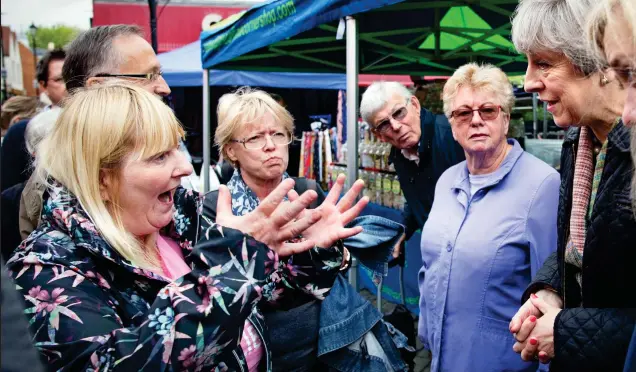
[534, 296]
[533, 341]
[533, 319]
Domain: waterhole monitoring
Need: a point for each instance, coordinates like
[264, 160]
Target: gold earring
[604, 80]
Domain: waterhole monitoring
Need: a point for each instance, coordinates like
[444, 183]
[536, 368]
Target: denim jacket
[352, 335]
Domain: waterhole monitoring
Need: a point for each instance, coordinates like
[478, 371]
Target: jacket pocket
[493, 350]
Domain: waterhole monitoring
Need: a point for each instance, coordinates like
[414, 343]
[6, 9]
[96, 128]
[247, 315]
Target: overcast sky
[18, 14]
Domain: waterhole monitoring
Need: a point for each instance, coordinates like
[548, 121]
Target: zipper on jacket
[238, 360]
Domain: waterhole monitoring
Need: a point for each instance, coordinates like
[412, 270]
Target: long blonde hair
[596, 27]
[99, 128]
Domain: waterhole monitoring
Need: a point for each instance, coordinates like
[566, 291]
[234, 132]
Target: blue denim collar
[374, 245]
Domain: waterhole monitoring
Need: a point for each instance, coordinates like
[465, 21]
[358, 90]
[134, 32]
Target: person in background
[423, 146]
[579, 312]
[119, 52]
[22, 203]
[123, 266]
[14, 157]
[612, 32]
[16, 109]
[492, 224]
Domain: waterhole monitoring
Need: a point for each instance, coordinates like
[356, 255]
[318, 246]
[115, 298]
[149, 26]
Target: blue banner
[266, 24]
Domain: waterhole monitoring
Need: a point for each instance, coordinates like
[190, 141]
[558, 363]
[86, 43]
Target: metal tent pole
[352, 119]
[535, 104]
[205, 171]
[545, 120]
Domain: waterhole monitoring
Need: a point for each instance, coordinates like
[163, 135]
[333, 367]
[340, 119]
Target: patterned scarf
[587, 178]
[581, 192]
[244, 200]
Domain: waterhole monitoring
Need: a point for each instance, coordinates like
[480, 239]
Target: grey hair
[378, 94]
[555, 26]
[92, 52]
[39, 127]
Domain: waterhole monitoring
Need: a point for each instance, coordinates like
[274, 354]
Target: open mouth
[167, 197]
[550, 104]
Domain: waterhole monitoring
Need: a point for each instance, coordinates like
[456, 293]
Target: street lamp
[33, 29]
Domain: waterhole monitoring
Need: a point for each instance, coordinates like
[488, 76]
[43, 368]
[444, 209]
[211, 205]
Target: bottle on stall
[387, 196]
[367, 156]
[397, 193]
[364, 177]
[377, 152]
[378, 189]
[385, 157]
[371, 186]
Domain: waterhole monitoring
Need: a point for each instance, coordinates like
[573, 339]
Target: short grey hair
[484, 78]
[378, 94]
[39, 127]
[92, 53]
[554, 26]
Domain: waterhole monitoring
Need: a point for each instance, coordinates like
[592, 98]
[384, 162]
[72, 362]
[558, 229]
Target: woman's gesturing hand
[335, 214]
[273, 222]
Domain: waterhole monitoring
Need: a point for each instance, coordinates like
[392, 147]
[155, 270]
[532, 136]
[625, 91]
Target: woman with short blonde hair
[244, 108]
[487, 78]
[492, 224]
[122, 271]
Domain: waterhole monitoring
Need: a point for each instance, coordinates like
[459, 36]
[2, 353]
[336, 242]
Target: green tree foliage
[60, 35]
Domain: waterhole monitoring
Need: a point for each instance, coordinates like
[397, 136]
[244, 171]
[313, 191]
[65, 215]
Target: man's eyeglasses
[397, 115]
[486, 112]
[151, 76]
[259, 141]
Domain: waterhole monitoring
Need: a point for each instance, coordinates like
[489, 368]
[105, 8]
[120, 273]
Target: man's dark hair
[43, 64]
[91, 53]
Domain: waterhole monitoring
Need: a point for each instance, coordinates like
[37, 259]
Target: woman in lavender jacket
[492, 225]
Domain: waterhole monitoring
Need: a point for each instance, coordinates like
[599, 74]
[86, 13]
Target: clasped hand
[275, 221]
[533, 326]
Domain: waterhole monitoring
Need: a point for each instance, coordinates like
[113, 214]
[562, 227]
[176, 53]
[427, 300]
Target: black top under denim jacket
[593, 331]
[437, 151]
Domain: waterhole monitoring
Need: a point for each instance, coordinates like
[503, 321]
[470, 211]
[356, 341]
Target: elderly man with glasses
[423, 146]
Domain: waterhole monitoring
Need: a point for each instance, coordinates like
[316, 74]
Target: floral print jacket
[90, 309]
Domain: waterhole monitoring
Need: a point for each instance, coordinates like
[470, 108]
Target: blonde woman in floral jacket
[112, 278]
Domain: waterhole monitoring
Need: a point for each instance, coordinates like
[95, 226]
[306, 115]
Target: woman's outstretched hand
[335, 214]
[274, 221]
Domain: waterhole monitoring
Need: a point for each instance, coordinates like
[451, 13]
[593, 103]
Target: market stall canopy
[182, 68]
[412, 37]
